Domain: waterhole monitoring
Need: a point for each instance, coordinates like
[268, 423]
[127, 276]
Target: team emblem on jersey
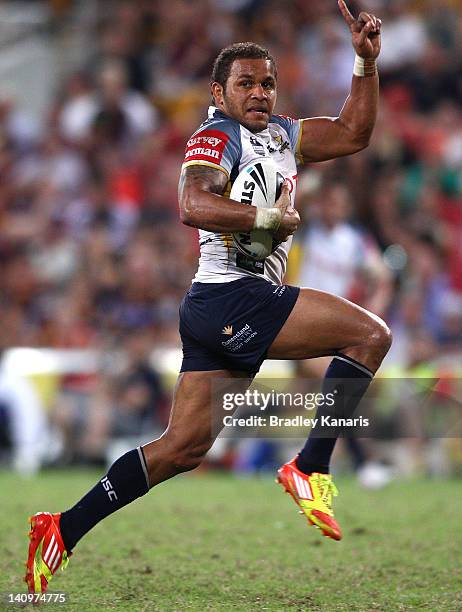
[208, 146]
[282, 145]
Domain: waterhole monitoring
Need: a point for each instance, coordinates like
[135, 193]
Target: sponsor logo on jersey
[227, 330]
[248, 263]
[208, 146]
[257, 146]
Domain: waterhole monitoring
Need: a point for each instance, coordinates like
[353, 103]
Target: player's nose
[259, 92]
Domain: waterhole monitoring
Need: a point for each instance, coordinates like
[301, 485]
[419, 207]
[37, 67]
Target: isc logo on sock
[108, 487]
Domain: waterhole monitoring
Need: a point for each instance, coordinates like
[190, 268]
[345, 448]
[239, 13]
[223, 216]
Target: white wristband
[358, 69]
[364, 67]
[267, 219]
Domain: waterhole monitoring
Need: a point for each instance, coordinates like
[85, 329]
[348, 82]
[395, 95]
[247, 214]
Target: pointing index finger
[345, 12]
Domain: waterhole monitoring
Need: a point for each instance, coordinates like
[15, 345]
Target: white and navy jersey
[225, 144]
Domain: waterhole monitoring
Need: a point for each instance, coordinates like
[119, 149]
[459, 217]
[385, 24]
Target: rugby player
[233, 295]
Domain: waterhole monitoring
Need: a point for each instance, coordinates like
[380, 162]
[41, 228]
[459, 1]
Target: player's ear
[217, 93]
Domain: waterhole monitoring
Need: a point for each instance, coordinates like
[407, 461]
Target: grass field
[219, 543]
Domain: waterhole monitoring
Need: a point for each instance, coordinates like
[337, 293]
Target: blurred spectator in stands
[405, 37]
[17, 126]
[113, 113]
[138, 410]
[334, 255]
[23, 426]
[126, 402]
[124, 36]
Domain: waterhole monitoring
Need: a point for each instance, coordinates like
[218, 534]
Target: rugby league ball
[258, 184]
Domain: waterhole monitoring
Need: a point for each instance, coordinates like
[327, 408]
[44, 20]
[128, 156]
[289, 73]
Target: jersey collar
[215, 113]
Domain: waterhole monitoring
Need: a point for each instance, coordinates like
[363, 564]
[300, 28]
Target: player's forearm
[202, 204]
[359, 112]
[215, 213]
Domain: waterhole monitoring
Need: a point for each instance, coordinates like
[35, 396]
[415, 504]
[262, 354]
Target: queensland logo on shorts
[208, 146]
[239, 339]
[227, 330]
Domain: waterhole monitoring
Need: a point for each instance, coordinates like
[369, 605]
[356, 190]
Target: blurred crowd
[92, 250]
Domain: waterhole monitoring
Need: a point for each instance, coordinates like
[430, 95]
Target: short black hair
[244, 50]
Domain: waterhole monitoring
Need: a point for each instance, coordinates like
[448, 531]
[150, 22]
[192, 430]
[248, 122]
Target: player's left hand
[289, 225]
[365, 32]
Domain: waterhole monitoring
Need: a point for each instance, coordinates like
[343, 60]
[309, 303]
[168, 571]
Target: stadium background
[97, 100]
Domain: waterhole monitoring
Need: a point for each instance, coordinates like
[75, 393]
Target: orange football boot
[47, 552]
[313, 494]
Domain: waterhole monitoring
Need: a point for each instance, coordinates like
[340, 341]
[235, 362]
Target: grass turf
[220, 543]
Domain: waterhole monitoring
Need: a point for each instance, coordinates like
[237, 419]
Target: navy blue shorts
[230, 326]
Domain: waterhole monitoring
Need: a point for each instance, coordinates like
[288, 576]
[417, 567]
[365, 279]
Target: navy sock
[348, 381]
[126, 480]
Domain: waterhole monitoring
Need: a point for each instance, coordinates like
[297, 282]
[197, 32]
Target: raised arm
[329, 137]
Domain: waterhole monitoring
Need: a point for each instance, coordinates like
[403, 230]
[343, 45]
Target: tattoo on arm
[204, 178]
[199, 192]
[202, 206]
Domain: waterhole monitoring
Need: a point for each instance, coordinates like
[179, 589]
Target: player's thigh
[320, 324]
[191, 417]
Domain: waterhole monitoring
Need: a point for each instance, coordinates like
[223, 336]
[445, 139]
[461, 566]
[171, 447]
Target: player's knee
[380, 336]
